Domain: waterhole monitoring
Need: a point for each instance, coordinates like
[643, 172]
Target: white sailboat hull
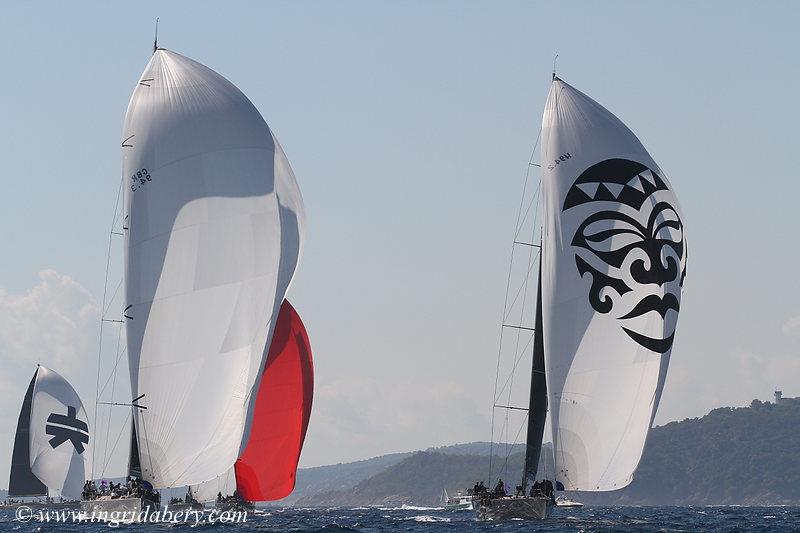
[525, 508]
[131, 509]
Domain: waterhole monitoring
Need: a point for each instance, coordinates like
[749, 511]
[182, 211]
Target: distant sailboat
[214, 225]
[266, 469]
[612, 266]
[52, 442]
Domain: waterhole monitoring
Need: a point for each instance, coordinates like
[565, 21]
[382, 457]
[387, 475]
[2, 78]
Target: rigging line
[522, 311]
[517, 360]
[534, 200]
[499, 355]
[105, 290]
[531, 260]
[522, 286]
[116, 442]
[531, 164]
[113, 297]
[508, 285]
[116, 363]
[527, 177]
[113, 387]
[516, 440]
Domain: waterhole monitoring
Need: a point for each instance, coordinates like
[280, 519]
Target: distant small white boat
[459, 502]
[563, 501]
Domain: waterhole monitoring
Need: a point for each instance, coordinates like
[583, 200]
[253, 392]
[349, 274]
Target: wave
[428, 518]
[405, 507]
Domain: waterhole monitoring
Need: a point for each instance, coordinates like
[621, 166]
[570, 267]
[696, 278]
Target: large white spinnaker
[60, 444]
[614, 261]
[214, 230]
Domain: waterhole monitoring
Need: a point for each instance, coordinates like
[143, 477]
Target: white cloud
[53, 323]
[791, 328]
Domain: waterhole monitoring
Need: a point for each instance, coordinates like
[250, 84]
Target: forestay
[614, 261]
[214, 226]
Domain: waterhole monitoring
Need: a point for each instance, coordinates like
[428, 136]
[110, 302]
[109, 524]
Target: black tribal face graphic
[641, 245]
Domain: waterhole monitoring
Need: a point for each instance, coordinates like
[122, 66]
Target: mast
[537, 408]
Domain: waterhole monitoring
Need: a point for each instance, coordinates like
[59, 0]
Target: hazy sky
[409, 126]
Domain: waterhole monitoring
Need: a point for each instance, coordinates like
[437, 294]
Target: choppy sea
[426, 519]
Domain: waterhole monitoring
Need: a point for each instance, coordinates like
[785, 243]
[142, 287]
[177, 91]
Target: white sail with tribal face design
[614, 263]
[630, 244]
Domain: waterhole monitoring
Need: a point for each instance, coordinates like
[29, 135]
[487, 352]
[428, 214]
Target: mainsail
[53, 434]
[23, 482]
[214, 230]
[266, 469]
[537, 406]
[614, 261]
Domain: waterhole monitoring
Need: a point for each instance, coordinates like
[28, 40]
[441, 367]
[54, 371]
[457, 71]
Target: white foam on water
[428, 518]
[405, 507]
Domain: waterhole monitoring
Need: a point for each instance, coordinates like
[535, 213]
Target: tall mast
[537, 408]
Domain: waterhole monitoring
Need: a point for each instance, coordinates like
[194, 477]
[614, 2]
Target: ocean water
[425, 519]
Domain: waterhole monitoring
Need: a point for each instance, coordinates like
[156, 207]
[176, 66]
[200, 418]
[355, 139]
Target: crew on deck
[499, 490]
[132, 487]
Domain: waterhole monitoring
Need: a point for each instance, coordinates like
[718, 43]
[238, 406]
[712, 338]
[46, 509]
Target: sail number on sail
[561, 159]
[140, 178]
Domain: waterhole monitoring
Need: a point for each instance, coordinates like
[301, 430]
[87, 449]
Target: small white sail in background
[614, 261]
[59, 435]
[214, 231]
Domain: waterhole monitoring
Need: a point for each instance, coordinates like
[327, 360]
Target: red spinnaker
[266, 469]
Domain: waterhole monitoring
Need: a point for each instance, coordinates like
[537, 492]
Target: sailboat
[266, 469]
[214, 225]
[52, 442]
[459, 502]
[612, 266]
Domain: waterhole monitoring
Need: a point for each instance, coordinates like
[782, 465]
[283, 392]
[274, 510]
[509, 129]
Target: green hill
[744, 456]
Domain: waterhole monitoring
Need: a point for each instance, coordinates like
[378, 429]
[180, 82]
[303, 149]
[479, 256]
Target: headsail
[266, 469]
[613, 270]
[53, 434]
[214, 232]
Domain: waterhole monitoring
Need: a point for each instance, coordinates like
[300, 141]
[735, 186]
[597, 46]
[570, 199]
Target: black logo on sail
[641, 245]
[67, 428]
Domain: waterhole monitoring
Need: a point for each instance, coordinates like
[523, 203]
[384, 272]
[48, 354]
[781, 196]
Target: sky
[409, 126]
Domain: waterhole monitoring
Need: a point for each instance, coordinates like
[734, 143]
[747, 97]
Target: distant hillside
[421, 478]
[340, 476]
[344, 476]
[745, 456]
